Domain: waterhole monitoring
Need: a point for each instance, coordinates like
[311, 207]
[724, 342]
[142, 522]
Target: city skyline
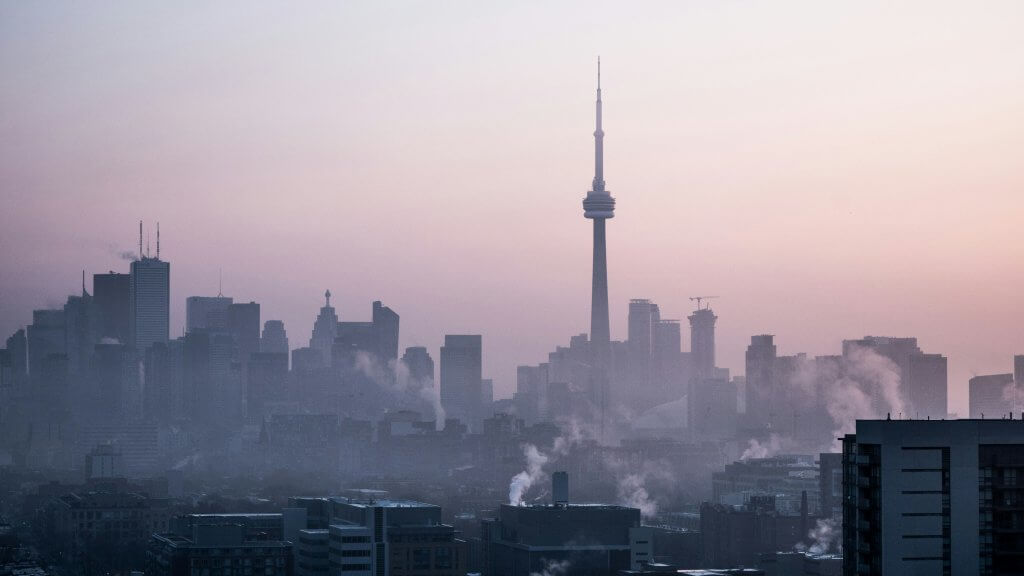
[868, 236]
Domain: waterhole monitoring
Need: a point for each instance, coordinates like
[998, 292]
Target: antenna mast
[157, 240]
[140, 239]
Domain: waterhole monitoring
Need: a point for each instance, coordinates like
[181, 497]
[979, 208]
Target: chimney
[560, 488]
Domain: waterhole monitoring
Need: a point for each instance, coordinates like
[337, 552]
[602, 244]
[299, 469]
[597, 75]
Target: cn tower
[599, 206]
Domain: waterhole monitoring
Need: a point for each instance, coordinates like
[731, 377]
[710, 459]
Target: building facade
[934, 497]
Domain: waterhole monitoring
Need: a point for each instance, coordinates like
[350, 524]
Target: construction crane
[700, 299]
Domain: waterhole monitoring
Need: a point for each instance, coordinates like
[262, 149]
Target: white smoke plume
[862, 384]
[395, 377]
[756, 449]
[825, 537]
[553, 568]
[631, 483]
[535, 461]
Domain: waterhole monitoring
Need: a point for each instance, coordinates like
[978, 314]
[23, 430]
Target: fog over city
[511, 288]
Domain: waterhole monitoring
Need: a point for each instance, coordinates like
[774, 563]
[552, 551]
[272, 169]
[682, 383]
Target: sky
[829, 170]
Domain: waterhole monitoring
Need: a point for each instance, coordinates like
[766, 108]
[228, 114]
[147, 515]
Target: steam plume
[535, 461]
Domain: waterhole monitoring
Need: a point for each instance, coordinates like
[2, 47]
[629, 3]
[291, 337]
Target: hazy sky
[828, 169]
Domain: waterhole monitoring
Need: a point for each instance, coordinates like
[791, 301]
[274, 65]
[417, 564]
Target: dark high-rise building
[486, 396]
[111, 294]
[207, 313]
[643, 315]
[162, 394]
[461, 373]
[244, 327]
[933, 497]
[702, 341]
[385, 323]
[274, 339]
[599, 206]
[46, 339]
[927, 386]
[150, 296]
[761, 381]
[420, 365]
[378, 338]
[990, 396]
[668, 341]
[17, 348]
[325, 330]
[115, 374]
[80, 330]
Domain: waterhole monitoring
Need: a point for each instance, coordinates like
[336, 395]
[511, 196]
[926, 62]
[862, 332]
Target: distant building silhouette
[149, 295]
[923, 380]
[599, 206]
[207, 313]
[378, 338]
[244, 327]
[385, 322]
[275, 338]
[486, 396]
[46, 340]
[926, 386]
[1018, 382]
[81, 330]
[17, 349]
[702, 341]
[420, 365]
[990, 396]
[325, 330]
[461, 369]
[112, 297]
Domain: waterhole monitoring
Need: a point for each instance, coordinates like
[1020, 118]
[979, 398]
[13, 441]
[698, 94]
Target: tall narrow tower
[599, 206]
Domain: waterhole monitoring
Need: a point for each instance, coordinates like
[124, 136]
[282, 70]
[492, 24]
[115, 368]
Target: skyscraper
[385, 322]
[325, 329]
[702, 340]
[275, 338]
[599, 206]
[111, 294]
[461, 373]
[927, 386]
[207, 312]
[149, 297]
[420, 365]
[244, 326]
[46, 340]
[990, 396]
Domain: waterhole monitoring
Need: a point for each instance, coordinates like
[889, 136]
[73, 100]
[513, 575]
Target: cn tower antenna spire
[598, 138]
[599, 206]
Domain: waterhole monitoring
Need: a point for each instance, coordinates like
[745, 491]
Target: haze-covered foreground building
[564, 538]
[218, 550]
[370, 537]
[934, 497]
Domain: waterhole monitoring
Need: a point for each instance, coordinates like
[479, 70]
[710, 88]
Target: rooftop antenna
[83, 282]
[327, 295]
[157, 240]
[140, 239]
[148, 238]
[220, 282]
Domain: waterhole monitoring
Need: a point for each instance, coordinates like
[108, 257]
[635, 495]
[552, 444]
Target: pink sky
[829, 169]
